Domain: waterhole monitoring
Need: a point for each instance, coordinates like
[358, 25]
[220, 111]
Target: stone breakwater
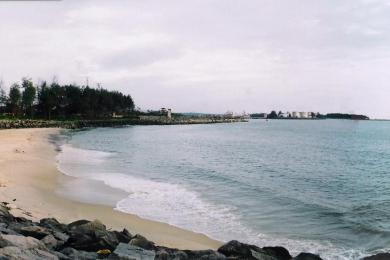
[21, 238]
[74, 124]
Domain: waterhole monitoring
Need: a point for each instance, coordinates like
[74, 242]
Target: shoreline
[29, 174]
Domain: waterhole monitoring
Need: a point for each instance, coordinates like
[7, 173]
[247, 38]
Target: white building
[295, 114]
[302, 114]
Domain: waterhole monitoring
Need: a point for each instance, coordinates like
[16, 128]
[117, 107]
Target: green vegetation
[347, 116]
[61, 102]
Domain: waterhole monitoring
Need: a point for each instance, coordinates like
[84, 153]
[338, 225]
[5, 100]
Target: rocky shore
[21, 238]
[74, 124]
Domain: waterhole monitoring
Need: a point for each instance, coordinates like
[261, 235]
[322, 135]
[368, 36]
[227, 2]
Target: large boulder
[13, 252]
[380, 256]
[91, 236]
[238, 250]
[307, 256]
[235, 249]
[129, 252]
[23, 242]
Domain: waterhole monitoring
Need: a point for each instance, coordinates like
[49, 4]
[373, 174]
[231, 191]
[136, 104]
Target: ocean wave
[180, 206]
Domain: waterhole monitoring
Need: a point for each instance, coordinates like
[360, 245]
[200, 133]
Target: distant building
[166, 112]
[228, 114]
[303, 115]
[284, 115]
[295, 115]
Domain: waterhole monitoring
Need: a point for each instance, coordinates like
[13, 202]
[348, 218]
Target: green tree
[15, 98]
[273, 115]
[28, 96]
[3, 97]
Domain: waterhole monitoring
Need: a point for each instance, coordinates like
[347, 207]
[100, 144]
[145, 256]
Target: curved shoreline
[29, 174]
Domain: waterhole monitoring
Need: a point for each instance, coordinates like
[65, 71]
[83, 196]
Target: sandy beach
[29, 178]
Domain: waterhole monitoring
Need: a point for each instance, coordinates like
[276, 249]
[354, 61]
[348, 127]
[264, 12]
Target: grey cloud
[209, 55]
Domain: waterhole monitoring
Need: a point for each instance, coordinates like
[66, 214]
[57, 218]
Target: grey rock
[307, 256]
[60, 255]
[61, 236]
[23, 242]
[129, 252]
[50, 242]
[78, 254]
[34, 231]
[380, 256]
[13, 252]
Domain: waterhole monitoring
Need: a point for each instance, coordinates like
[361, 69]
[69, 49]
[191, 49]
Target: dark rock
[18, 223]
[4, 213]
[307, 256]
[129, 252]
[4, 243]
[237, 249]
[126, 233]
[142, 242]
[77, 254]
[380, 256]
[6, 231]
[180, 255]
[205, 255]
[53, 224]
[91, 236]
[124, 236]
[162, 255]
[34, 231]
[278, 252]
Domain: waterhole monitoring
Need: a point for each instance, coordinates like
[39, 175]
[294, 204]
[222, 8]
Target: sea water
[321, 186]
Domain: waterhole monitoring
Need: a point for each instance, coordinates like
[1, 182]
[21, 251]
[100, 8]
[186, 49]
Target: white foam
[179, 206]
[73, 161]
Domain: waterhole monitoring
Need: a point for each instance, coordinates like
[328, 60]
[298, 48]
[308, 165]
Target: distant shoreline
[75, 124]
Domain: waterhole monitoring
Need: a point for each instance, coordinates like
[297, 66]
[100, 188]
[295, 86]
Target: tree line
[55, 101]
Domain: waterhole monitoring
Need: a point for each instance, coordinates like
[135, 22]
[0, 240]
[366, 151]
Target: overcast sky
[209, 55]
